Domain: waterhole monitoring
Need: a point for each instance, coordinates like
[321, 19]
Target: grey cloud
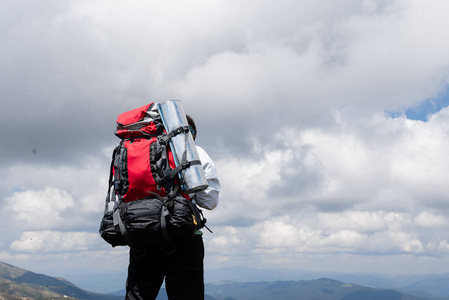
[297, 178]
[71, 75]
[247, 72]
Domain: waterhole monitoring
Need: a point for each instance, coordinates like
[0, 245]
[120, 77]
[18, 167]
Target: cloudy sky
[328, 122]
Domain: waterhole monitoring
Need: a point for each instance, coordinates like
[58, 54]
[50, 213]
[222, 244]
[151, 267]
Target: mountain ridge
[436, 284]
[19, 283]
[322, 289]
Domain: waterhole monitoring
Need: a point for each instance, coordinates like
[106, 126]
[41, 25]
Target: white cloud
[382, 164]
[227, 243]
[60, 195]
[360, 221]
[55, 242]
[444, 246]
[429, 220]
[40, 209]
[370, 180]
[286, 236]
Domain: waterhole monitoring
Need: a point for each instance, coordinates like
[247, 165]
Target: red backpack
[140, 160]
[144, 188]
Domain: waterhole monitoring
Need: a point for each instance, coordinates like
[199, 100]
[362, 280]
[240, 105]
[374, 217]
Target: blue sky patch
[425, 108]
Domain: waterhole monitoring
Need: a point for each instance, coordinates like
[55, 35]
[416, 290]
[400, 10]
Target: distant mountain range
[435, 284]
[323, 289]
[318, 289]
[16, 283]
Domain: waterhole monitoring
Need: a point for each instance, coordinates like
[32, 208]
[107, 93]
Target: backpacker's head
[192, 126]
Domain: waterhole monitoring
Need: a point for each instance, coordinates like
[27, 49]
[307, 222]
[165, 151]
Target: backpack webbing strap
[182, 166]
[171, 173]
[167, 182]
[183, 129]
[118, 182]
[118, 221]
[110, 181]
[168, 173]
[166, 201]
[164, 214]
[198, 213]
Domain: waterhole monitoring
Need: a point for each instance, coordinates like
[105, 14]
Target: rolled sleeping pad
[173, 117]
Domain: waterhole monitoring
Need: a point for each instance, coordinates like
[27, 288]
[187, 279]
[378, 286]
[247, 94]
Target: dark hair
[192, 124]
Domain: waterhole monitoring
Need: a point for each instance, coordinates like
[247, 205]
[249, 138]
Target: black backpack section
[164, 214]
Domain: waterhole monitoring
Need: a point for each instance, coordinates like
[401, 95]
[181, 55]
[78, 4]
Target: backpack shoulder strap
[110, 181]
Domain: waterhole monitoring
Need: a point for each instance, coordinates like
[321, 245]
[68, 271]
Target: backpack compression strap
[164, 214]
[174, 132]
[110, 183]
[171, 173]
[118, 221]
[167, 202]
[182, 166]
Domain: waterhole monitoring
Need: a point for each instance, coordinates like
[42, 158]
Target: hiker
[183, 269]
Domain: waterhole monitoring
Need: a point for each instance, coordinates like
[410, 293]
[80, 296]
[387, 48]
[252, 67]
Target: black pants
[183, 271]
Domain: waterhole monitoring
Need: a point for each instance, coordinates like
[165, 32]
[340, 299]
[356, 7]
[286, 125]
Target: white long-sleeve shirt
[209, 197]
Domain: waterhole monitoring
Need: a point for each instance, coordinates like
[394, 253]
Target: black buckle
[163, 139]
